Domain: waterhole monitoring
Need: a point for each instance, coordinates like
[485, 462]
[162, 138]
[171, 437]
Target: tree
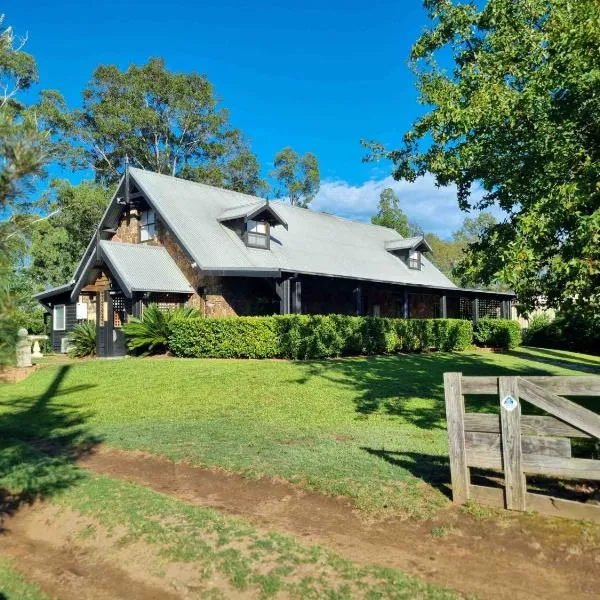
[165, 122]
[58, 244]
[389, 214]
[298, 177]
[24, 151]
[517, 114]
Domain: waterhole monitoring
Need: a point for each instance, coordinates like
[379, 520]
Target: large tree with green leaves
[298, 177]
[57, 244]
[165, 122]
[389, 214]
[25, 148]
[512, 92]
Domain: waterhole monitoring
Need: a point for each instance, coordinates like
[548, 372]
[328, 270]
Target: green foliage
[497, 333]
[166, 122]
[389, 214]
[8, 326]
[83, 339]
[569, 331]
[516, 114]
[298, 177]
[150, 334]
[58, 243]
[231, 337]
[315, 336]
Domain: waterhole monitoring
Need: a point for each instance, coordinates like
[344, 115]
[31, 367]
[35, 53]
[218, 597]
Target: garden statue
[23, 349]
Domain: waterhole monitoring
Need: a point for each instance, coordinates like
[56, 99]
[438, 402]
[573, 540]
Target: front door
[118, 310]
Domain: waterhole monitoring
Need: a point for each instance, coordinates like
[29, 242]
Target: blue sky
[316, 76]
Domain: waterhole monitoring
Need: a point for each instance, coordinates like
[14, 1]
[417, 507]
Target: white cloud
[434, 209]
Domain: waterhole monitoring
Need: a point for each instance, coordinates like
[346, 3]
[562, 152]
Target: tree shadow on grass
[410, 386]
[40, 438]
[558, 358]
[433, 469]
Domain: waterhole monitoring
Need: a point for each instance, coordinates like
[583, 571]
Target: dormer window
[147, 225]
[253, 222]
[257, 234]
[409, 250]
[414, 260]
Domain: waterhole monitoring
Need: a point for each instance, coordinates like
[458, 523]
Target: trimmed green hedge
[497, 333]
[314, 336]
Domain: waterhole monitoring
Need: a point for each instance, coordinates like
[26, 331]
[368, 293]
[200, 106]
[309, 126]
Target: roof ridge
[204, 185]
[132, 244]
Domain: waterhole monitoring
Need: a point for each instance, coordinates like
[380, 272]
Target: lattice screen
[490, 308]
[466, 308]
[121, 308]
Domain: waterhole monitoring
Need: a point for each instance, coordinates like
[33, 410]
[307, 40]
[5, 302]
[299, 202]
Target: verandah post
[510, 419]
[455, 415]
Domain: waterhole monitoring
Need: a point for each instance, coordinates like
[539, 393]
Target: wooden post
[405, 305]
[357, 296]
[455, 413]
[443, 306]
[296, 295]
[510, 420]
[475, 309]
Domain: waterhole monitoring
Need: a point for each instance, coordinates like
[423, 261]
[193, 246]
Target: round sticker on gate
[509, 403]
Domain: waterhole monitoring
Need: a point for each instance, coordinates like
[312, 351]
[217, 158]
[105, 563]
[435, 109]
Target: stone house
[173, 242]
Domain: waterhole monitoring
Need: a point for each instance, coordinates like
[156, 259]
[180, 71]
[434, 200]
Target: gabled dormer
[252, 223]
[409, 250]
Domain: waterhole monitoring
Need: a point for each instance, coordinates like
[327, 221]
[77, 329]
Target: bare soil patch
[513, 556]
[47, 547]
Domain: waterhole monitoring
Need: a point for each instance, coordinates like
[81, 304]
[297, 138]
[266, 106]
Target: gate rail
[520, 445]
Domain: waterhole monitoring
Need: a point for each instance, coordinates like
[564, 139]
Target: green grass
[14, 587]
[370, 429]
[224, 549]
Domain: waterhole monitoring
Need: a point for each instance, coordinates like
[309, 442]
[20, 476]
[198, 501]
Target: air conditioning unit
[65, 344]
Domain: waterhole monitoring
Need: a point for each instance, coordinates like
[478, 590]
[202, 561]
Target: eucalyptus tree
[165, 122]
[298, 177]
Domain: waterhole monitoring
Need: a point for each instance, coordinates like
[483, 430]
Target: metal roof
[249, 211]
[144, 268]
[53, 291]
[314, 243]
[411, 243]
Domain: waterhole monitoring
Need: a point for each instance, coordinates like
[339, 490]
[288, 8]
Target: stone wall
[221, 296]
[128, 230]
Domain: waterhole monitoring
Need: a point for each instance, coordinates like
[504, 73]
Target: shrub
[314, 336]
[497, 333]
[150, 334]
[83, 339]
[228, 337]
[568, 331]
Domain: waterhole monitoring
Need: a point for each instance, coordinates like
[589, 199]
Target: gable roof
[261, 208]
[144, 268]
[315, 243]
[412, 243]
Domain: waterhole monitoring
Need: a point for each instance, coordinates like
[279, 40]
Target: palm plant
[83, 339]
[150, 334]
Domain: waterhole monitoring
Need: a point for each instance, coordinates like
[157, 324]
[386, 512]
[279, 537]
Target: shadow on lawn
[558, 358]
[40, 438]
[411, 386]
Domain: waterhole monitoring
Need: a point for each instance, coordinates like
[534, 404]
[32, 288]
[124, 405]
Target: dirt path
[44, 550]
[516, 557]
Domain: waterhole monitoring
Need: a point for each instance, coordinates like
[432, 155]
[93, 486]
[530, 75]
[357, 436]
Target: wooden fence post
[455, 415]
[510, 419]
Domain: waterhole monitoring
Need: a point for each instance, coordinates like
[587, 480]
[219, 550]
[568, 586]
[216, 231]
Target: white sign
[509, 403]
[81, 311]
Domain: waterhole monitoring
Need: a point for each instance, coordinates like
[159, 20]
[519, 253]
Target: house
[173, 242]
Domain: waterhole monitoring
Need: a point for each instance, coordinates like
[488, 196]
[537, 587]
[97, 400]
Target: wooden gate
[521, 445]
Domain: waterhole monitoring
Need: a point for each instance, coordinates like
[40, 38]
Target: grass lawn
[370, 429]
[14, 587]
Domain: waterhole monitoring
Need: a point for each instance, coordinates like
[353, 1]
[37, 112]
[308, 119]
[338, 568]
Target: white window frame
[64, 317]
[147, 225]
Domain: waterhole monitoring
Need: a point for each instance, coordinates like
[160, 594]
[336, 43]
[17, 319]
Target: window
[257, 234]
[147, 225]
[58, 318]
[414, 260]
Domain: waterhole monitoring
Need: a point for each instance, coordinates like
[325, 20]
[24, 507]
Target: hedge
[314, 336]
[497, 333]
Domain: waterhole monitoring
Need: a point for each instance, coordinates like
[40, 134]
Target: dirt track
[516, 557]
[512, 558]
